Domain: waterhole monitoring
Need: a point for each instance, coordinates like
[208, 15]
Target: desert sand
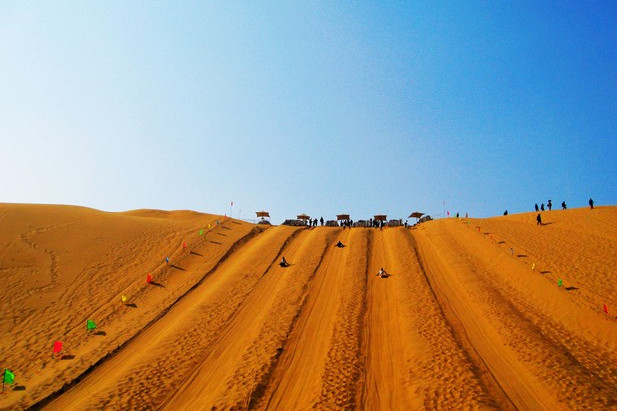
[496, 313]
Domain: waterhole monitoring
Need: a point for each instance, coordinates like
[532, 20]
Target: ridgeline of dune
[476, 313]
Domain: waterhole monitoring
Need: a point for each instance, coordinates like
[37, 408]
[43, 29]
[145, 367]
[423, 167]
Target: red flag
[183, 245]
[149, 279]
[57, 346]
[605, 308]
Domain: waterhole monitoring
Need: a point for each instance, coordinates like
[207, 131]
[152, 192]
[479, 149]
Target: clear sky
[313, 107]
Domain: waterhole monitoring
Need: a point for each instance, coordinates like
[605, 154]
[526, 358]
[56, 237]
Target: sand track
[462, 322]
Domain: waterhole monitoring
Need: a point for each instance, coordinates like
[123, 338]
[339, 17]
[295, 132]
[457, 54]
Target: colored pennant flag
[124, 298]
[605, 307]
[559, 282]
[208, 226]
[90, 325]
[533, 267]
[149, 279]
[57, 347]
[201, 232]
[183, 245]
[9, 377]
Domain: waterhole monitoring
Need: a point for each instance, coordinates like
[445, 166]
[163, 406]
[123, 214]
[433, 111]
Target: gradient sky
[316, 107]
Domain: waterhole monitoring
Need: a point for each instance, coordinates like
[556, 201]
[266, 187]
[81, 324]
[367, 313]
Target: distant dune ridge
[477, 313]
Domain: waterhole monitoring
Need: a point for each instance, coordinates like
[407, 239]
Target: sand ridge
[463, 321]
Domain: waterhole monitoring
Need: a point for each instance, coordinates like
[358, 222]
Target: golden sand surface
[476, 313]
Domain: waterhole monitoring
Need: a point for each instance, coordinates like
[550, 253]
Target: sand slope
[462, 322]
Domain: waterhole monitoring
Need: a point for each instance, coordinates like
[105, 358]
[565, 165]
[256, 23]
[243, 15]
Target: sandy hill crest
[496, 312]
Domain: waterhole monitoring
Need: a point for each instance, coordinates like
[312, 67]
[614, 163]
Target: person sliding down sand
[284, 263]
[382, 273]
[340, 245]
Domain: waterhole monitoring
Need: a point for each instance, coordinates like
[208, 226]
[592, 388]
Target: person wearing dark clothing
[542, 207]
[537, 208]
[505, 212]
[549, 205]
[284, 262]
[340, 245]
[563, 205]
[591, 203]
[321, 220]
[539, 219]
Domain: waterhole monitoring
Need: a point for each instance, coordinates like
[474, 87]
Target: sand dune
[472, 315]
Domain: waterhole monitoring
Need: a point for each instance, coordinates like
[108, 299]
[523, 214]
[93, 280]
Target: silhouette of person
[591, 203]
[283, 262]
[539, 219]
[505, 212]
[542, 207]
[549, 205]
[537, 208]
[563, 205]
[321, 220]
[340, 245]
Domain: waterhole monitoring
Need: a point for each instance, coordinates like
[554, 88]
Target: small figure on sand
[537, 208]
[166, 260]
[321, 220]
[539, 219]
[505, 212]
[549, 205]
[542, 206]
[339, 244]
[382, 273]
[284, 262]
[563, 205]
[590, 203]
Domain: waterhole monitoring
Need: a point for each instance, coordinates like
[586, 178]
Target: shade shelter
[263, 216]
[416, 215]
[303, 217]
[380, 217]
[342, 217]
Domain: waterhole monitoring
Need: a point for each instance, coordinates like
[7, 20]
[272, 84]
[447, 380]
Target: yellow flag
[208, 226]
[123, 298]
[533, 266]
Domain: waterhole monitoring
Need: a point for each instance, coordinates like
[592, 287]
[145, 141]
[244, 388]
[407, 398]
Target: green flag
[559, 283]
[201, 232]
[91, 325]
[9, 377]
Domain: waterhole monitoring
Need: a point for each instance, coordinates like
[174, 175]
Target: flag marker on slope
[605, 308]
[7, 378]
[90, 325]
[559, 282]
[57, 348]
[149, 279]
[123, 298]
[533, 266]
[201, 232]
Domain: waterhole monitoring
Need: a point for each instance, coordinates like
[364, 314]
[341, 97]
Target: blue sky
[314, 107]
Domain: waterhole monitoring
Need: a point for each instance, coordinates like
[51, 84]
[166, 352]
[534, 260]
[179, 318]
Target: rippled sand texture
[463, 322]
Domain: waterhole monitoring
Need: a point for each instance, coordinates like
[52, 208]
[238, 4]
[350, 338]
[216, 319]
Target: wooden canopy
[262, 214]
[342, 216]
[416, 214]
[380, 217]
[303, 217]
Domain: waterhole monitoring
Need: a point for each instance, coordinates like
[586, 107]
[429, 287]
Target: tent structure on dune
[264, 217]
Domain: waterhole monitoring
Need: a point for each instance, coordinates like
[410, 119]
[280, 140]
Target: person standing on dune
[549, 205]
[539, 219]
[563, 205]
[537, 208]
[590, 203]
